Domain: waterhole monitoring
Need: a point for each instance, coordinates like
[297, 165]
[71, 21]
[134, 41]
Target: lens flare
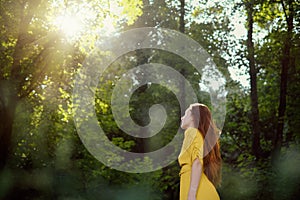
[70, 26]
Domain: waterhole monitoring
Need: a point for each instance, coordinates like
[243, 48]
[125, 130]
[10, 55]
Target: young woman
[200, 158]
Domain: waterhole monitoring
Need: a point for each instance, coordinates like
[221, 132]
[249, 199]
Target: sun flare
[70, 26]
[82, 21]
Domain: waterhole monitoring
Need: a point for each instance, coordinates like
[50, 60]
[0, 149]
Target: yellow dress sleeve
[197, 148]
[193, 144]
[189, 136]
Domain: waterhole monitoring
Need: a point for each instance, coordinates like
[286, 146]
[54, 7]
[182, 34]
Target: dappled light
[71, 26]
[92, 93]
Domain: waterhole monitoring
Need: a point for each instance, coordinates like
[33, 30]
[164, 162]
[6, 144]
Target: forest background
[45, 42]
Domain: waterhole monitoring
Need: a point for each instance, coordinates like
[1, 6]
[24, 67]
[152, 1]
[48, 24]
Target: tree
[256, 148]
[285, 65]
[16, 81]
[32, 52]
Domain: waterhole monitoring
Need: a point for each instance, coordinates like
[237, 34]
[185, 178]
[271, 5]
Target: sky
[238, 21]
[240, 32]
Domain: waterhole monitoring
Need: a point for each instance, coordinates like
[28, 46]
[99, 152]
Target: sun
[70, 25]
[81, 21]
[75, 26]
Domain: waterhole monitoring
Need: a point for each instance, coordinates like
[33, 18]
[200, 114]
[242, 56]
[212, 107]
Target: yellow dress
[192, 148]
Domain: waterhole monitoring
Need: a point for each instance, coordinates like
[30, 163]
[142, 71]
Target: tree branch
[284, 9]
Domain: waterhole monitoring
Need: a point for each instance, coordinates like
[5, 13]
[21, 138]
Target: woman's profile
[200, 158]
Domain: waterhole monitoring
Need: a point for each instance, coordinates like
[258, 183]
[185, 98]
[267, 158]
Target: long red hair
[212, 160]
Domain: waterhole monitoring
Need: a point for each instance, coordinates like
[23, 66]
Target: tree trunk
[9, 95]
[256, 149]
[285, 62]
[9, 90]
[8, 101]
[182, 71]
[181, 17]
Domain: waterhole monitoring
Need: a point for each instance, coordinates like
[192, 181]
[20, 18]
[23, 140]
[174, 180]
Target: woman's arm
[195, 179]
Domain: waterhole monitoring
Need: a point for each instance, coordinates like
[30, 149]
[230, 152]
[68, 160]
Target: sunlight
[73, 20]
[82, 21]
[70, 26]
[74, 26]
[108, 26]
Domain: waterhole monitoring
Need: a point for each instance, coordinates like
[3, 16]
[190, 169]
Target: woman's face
[187, 120]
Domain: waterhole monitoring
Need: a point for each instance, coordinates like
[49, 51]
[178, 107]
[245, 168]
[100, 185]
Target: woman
[200, 158]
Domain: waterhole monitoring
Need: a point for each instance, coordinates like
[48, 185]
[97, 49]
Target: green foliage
[48, 159]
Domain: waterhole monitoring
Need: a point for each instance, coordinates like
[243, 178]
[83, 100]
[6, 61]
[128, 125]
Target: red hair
[212, 160]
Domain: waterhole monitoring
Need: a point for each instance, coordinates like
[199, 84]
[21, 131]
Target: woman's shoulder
[193, 133]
